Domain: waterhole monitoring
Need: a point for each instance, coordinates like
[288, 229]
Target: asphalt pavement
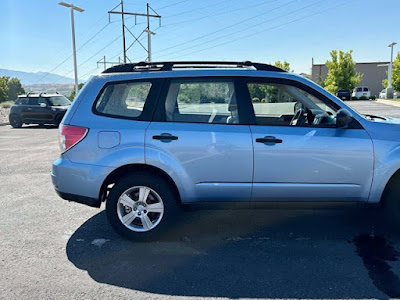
[54, 249]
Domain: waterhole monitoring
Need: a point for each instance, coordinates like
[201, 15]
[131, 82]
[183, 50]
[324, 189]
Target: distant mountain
[35, 78]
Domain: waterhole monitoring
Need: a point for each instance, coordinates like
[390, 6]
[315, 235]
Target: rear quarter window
[123, 99]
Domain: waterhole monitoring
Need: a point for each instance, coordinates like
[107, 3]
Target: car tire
[15, 121]
[58, 120]
[392, 204]
[140, 206]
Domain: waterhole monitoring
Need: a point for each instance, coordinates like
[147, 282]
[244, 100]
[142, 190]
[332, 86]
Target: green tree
[3, 89]
[341, 72]
[283, 65]
[14, 88]
[395, 74]
[72, 96]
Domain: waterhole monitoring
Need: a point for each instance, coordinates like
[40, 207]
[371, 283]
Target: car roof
[43, 95]
[225, 72]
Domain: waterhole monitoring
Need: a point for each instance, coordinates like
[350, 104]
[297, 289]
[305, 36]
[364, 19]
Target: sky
[35, 36]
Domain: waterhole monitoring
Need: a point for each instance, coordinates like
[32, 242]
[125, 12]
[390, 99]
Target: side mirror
[343, 118]
[43, 105]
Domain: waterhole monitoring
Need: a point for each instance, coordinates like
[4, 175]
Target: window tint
[202, 101]
[33, 101]
[59, 101]
[23, 101]
[276, 104]
[124, 99]
[43, 100]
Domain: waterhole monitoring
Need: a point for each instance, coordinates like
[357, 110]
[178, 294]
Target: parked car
[343, 94]
[382, 94]
[38, 109]
[361, 92]
[142, 138]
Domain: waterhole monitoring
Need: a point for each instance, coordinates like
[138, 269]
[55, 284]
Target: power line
[65, 60]
[271, 28]
[218, 14]
[233, 25]
[173, 4]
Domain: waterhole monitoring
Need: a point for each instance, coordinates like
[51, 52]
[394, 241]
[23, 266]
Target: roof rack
[169, 65]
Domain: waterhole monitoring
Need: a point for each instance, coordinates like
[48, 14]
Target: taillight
[70, 136]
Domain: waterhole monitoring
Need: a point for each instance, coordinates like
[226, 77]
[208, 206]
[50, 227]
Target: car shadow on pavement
[246, 253]
[38, 127]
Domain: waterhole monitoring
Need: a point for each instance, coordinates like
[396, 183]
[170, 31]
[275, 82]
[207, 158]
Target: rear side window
[202, 101]
[23, 101]
[359, 89]
[123, 99]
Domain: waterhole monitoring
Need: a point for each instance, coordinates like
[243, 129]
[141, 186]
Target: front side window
[123, 99]
[202, 101]
[43, 100]
[282, 104]
[59, 101]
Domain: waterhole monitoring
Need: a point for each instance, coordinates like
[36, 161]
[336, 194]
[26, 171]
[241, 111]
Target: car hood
[383, 119]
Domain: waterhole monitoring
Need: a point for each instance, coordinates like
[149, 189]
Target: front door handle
[269, 140]
[166, 137]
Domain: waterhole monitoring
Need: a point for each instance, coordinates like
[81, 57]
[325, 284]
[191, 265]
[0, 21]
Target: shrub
[256, 99]
[373, 98]
[363, 98]
[7, 104]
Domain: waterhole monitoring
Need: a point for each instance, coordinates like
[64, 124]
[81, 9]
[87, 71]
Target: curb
[4, 124]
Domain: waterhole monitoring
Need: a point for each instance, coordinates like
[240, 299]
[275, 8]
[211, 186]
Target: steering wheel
[299, 119]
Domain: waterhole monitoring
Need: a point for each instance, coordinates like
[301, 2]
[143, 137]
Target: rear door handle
[269, 140]
[165, 137]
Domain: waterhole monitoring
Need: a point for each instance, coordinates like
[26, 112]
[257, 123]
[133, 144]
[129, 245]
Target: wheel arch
[395, 178]
[124, 170]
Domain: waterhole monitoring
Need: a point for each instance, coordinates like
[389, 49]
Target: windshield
[59, 101]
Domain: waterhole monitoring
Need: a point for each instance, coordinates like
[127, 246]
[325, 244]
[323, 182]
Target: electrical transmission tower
[104, 62]
[147, 30]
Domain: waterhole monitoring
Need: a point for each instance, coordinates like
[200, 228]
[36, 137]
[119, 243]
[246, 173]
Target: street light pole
[72, 8]
[389, 89]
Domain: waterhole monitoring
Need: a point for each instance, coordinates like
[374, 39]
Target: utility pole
[147, 30]
[123, 29]
[72, 8]
[389, 89]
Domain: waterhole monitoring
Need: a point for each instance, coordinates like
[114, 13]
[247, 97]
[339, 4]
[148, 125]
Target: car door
[198, 135]
[29, 111]
[308, 158]
[44, 111]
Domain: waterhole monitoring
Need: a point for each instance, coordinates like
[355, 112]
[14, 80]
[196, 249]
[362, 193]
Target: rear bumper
[94, 202]
[76, 182]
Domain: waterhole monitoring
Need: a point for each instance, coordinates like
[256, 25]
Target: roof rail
[169, 65]
[32, 93]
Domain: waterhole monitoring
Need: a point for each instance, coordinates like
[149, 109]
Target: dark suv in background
[343, 94]
[38, 109]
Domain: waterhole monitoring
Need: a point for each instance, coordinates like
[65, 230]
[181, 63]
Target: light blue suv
[149, 137]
